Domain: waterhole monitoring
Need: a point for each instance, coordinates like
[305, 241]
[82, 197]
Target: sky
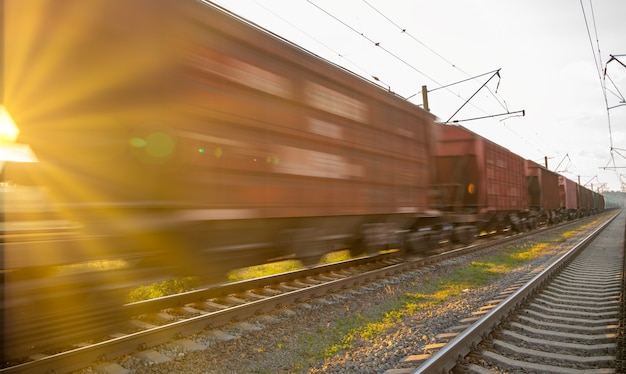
[550, 58]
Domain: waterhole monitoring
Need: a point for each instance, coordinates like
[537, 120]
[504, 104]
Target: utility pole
[425, 98]
[578, 195]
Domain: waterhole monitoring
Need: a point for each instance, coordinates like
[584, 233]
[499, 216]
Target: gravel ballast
[294, 339]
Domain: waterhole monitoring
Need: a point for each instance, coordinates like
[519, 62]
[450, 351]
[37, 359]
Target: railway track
[566, 319]
[157, 321]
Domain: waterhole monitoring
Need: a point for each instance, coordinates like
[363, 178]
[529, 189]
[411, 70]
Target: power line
[377, 44]
[404, 31]
[339, 54]
[599, 72]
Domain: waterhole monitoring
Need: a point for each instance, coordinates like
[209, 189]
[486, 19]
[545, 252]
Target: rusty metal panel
[585, 198]
[543, 187]
[456, 167]
[325, 141]
[568, 193]
[476, 173]
[456, 177]
[505, 176]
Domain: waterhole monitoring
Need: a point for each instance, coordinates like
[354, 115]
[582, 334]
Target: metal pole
[578, 196]
[425, 98]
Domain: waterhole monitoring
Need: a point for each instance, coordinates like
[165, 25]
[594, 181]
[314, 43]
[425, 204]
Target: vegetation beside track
[180, 285]
[273, 268]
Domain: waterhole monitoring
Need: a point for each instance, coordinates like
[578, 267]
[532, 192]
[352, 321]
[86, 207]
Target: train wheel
[421, 241]
[464, 234]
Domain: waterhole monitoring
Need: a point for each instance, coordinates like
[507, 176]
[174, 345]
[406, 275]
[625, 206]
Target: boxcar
[479, 182]
[194, 132]
[585, 201]
[601, 204]
[598, 202]
[543, 193]
[568, 193]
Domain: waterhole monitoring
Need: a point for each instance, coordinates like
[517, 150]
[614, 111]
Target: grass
[337, 256]
[179, 285]
[278, 267]
[164, 288]
[368, 327]
[264, 270]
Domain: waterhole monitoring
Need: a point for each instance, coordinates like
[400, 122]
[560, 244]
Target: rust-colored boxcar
[478, 179]
[568, 193]
[201, 129]
[585, 201]
[543, 192]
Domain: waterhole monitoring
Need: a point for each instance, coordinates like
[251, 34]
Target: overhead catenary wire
[600, 78]
[379, 45]
[324, 45]
[464, 80]
[404, 31]
[501, 102]
[375, 43]
[595, 58]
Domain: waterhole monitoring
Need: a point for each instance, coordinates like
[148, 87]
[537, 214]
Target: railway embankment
[372, 328]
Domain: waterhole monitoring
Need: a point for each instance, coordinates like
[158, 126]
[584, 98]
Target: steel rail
[446, 358]
[220, 290]
[76, 359]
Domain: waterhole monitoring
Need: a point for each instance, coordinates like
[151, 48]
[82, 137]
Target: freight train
[175, 138]
[179, 130]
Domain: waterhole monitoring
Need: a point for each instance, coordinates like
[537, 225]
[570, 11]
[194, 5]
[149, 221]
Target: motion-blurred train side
[178, 129]
[174, 127]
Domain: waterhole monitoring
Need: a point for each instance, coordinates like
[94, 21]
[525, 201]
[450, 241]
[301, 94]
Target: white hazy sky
[547, 59]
